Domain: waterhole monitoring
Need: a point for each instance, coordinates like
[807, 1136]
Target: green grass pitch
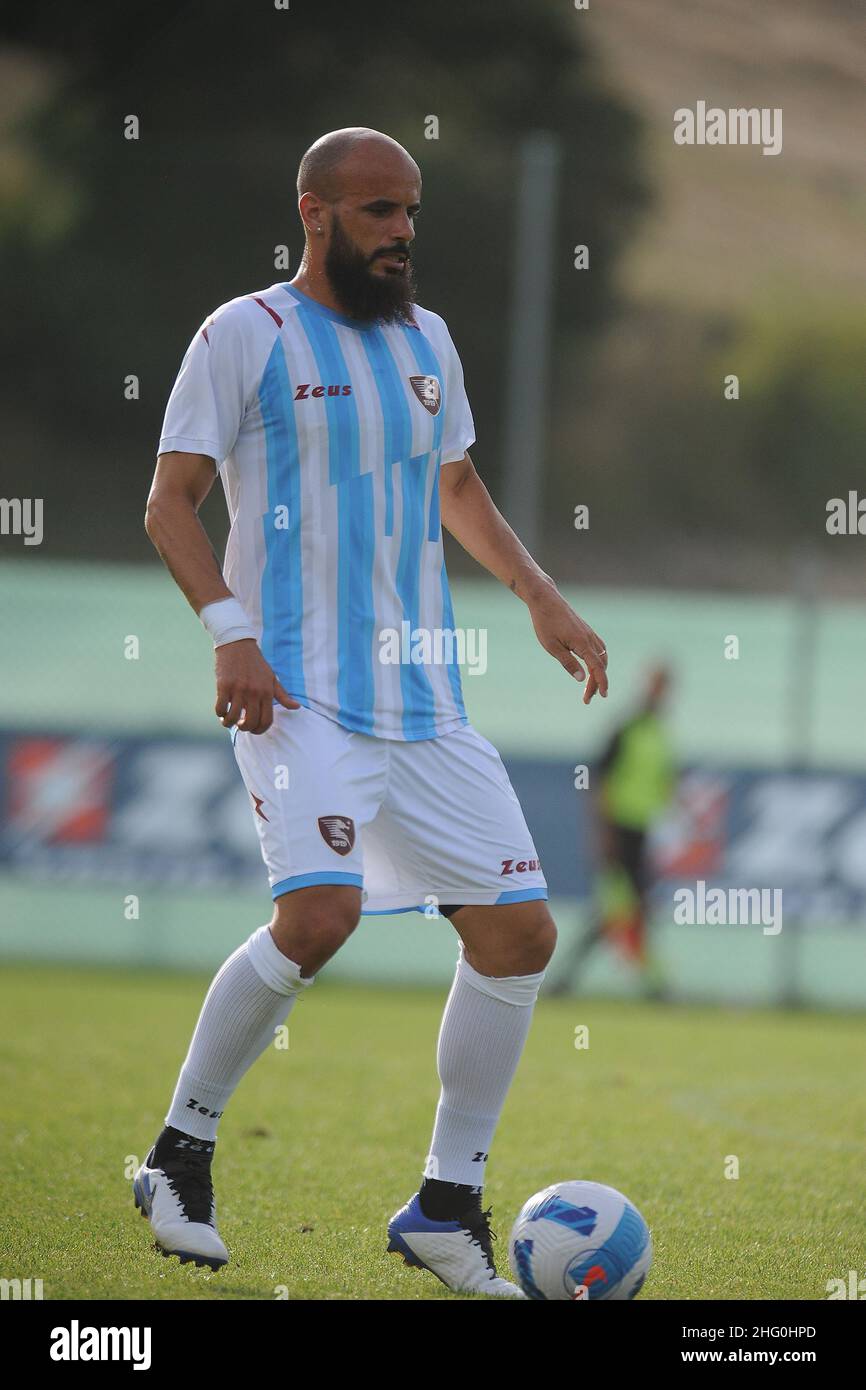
[324, 1140]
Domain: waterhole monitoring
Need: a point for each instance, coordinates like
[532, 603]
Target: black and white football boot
[173, 1189]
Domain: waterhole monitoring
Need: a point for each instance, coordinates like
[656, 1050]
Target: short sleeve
[207, 404]
[458, 431]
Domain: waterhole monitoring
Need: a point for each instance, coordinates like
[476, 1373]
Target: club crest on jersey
[338, 832]
[427, 390]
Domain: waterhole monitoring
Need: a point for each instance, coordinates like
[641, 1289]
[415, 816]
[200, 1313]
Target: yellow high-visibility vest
[639, 781]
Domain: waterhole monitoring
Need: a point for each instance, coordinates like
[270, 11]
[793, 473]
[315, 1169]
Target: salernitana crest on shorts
[338, 832]
[427, 390]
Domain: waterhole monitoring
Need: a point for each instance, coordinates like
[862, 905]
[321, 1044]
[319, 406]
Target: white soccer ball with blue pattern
[580, 1240]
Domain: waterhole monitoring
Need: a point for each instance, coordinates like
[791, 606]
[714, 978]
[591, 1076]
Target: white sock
[250, 996]
[483, 1030]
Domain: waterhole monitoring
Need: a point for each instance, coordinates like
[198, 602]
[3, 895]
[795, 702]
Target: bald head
[344, 155]
[359, 193]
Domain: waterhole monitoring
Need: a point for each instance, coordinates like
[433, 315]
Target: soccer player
[334, 411]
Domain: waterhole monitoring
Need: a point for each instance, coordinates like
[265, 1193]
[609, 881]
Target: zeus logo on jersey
[304, 391]
[523, 866]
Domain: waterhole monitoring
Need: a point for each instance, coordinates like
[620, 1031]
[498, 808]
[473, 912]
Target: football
[580, 1240]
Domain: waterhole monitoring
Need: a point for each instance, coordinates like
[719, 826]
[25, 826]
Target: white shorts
[415, 825]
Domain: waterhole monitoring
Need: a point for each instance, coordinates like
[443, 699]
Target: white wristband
[226, 621]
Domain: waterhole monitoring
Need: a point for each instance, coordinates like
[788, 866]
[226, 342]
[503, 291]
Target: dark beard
[364, 296]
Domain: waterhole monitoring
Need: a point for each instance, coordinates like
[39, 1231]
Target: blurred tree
[114, 250]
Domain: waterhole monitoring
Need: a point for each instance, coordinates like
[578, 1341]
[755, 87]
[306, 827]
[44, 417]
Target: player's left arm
[469, 513]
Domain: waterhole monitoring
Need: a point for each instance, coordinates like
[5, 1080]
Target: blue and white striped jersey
[328, 437]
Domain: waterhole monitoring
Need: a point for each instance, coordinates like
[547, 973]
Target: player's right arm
[180, 485]
[246, 685]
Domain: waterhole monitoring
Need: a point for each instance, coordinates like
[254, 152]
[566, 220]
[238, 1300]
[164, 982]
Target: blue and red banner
[173, 810]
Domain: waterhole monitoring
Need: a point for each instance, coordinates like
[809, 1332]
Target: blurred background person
[631, 785]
